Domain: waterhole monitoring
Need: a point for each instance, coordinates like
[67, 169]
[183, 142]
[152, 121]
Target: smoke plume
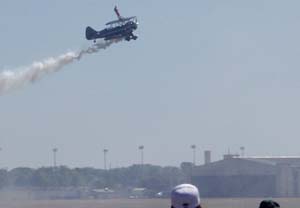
[10, 80]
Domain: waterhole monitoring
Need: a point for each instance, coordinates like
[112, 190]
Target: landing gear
[131, 37]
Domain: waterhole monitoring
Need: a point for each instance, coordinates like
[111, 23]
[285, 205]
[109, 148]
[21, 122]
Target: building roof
[275, 160]
[246, 165]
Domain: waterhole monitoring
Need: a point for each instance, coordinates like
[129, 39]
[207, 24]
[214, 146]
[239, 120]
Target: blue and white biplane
[122, 28]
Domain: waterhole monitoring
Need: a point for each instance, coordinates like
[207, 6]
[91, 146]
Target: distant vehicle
[117, 29]
[162, 194]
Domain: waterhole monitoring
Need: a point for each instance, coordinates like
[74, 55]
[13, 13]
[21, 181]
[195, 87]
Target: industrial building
[236, 176]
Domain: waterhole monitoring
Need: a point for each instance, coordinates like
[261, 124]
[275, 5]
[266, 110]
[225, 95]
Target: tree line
[152, 177]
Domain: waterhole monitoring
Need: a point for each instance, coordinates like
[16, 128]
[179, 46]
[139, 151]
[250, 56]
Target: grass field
[143, 203]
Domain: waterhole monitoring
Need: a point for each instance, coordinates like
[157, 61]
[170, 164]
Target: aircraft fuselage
[121, 31]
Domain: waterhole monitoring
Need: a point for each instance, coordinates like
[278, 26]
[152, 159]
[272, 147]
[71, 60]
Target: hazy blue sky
[218, 74]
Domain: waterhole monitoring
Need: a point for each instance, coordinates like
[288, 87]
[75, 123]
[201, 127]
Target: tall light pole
[242, 151]
[141, 148]
[104, 157]
[54, 156]
[1, 150]
[194, 153]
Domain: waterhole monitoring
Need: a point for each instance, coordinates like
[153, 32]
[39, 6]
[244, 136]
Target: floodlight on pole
[194, 153]
[54, 156]
[242, 151]
[105, 151]
[141, 148]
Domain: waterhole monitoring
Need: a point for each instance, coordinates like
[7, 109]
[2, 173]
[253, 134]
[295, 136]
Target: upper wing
[120, 20]
[113, 22]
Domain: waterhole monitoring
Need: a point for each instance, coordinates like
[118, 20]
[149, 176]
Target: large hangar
[236, 176]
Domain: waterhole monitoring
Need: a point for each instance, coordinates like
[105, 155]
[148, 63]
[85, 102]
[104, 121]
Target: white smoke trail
[10, 80]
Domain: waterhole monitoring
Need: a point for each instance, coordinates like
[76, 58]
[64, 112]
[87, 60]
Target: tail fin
[90, 33]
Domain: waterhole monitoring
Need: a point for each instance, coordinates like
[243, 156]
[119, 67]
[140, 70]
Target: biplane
[122, 28]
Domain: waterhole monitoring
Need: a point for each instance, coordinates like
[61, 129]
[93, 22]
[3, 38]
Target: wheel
[134, 37]
[127, 38]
